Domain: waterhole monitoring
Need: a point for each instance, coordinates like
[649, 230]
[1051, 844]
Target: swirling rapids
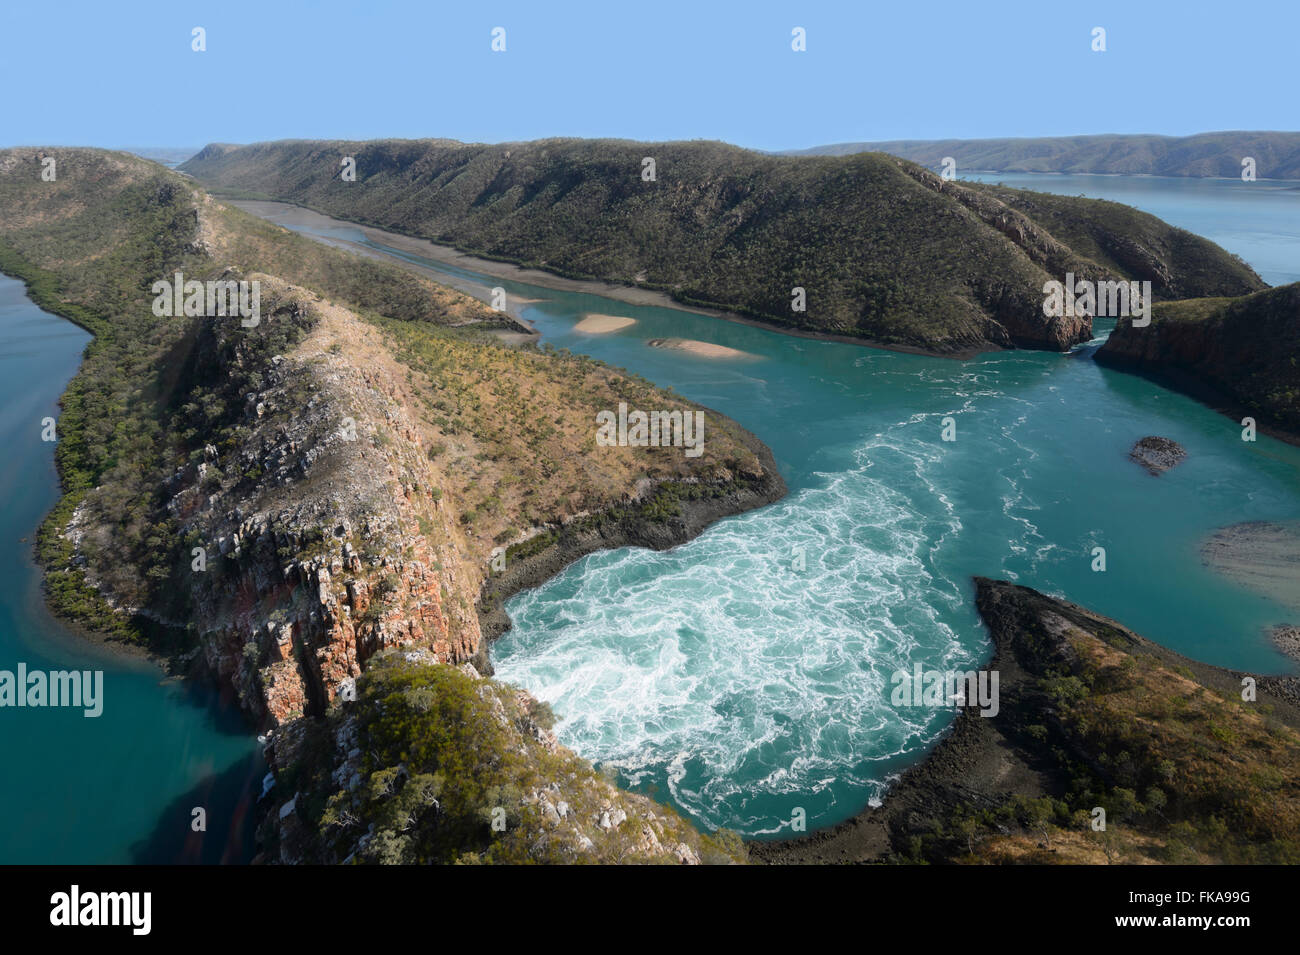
[738, 684]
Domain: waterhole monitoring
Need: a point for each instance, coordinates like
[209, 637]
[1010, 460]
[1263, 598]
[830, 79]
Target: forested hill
[883, 249]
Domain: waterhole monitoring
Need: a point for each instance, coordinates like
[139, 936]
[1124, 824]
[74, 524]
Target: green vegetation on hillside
[93, 267]
[1186, 771]
[154, 394]
[440, 756]
[1127, 241]
[883, 250]
[512, 430]
[254, 244]
[147, 397]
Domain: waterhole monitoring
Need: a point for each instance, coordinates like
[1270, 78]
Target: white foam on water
[728, 677]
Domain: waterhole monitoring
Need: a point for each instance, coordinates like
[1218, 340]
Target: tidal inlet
[718, 480]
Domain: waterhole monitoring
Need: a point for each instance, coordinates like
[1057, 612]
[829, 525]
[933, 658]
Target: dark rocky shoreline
[984, 761]
[1198, 389]
[1236, 355]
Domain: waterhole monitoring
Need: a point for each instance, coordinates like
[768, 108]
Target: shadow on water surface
[229, 799]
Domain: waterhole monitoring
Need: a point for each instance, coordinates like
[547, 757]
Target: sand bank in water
[702, 349]
[595, 324]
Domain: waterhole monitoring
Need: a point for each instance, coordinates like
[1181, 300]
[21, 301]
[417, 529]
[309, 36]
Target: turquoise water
[715, 675]
[120, 787]
[721, 679]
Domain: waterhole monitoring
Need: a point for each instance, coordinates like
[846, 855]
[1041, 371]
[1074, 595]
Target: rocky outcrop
[1241, 355]
[1286, 638]
[1090, 715]
[637, 521]
[323, 538]
[1157, 454]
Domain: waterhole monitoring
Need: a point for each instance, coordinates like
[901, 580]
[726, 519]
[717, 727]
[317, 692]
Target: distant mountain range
[167, 155]
[1276, 155]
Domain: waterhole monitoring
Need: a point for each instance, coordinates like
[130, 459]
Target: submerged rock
[1157, 454]
[1287, 639]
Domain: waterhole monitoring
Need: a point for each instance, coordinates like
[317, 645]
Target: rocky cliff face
[328, 544]
[1241, 355]
[1017, 308]
[324, 540]
[286, 503]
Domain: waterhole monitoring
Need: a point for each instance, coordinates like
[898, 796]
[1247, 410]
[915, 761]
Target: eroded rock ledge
[662, 515]
[331, 545]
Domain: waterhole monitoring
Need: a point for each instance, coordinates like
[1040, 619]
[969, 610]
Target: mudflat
[1263, 556]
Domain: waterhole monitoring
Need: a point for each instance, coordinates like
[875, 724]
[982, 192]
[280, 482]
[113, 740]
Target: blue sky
[123, 74]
